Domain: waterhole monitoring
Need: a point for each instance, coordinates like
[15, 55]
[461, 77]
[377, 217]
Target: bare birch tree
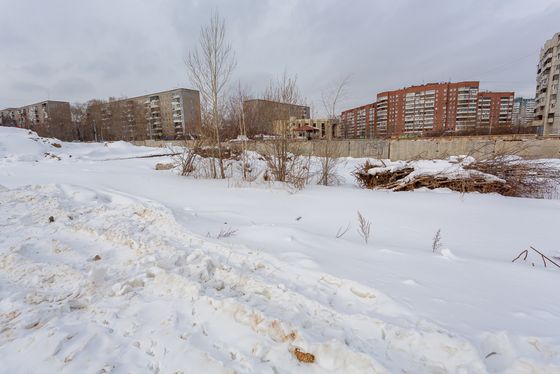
[210, 67]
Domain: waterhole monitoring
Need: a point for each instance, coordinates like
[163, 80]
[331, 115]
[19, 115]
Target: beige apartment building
[547, 113]
[306, 128]
[166, 115]
[48, 118]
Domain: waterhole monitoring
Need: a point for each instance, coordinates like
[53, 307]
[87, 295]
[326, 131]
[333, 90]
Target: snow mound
[113, 283]
[18, 145]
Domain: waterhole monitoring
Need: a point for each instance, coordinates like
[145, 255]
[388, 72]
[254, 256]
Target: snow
[131, 277]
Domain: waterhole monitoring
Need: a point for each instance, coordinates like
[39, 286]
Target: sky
[79, 50]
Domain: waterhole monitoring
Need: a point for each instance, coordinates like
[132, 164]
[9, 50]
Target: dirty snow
[130, 275]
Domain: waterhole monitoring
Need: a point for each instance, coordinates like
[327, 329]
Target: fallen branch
[545, 258]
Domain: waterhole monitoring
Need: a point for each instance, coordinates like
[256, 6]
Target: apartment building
[547, 113]
[47, 118]
[306, 128]
[8, 117]
[523, 112]
[495, 109]
[260, 114]
[429, 108]
[361, 122]
[172, 114]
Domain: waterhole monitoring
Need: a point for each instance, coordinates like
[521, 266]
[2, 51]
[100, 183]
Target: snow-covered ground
[132, 275]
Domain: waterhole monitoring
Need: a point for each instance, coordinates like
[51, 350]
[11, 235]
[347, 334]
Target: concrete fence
[527, 146]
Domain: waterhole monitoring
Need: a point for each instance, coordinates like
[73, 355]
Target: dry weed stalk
[436, 242]
[364, 227]
[226, 233]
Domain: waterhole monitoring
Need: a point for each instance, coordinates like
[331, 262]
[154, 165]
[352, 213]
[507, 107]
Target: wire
[508, 63]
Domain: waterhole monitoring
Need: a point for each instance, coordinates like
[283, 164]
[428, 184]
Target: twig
[524, 258]
[340, 233]
[544, 257]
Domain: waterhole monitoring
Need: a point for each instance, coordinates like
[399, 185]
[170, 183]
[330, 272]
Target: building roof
[40, 102]
[159, 92]
[275, 102]
[427, 85]
[306, 128]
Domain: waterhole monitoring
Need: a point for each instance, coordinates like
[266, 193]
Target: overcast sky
[79, 50]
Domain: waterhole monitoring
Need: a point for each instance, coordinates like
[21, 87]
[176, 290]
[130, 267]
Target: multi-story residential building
[495, 109]
[429, 108]
[173, 114]
[547, 111]
[260, 114]
[47, 118]
[307, 128]
[523, 112]
[361, 122]
[8, 117]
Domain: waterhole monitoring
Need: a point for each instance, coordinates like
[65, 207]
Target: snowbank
[130, 275]
[116, 284]
[23, 145]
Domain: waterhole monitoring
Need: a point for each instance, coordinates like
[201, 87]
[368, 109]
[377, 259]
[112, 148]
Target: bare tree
[333, 95]
[237, 116]
[284, 90]
[331, 98]
[285, 164]
[78, 112]
[209, 68]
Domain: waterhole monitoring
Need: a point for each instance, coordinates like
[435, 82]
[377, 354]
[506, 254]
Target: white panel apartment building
[523, 112]
[547, 113]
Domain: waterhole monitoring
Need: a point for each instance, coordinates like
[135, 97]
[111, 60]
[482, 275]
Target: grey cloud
[81, 50]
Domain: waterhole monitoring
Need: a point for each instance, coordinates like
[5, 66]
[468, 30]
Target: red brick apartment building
[433, 107]
[495, 109]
